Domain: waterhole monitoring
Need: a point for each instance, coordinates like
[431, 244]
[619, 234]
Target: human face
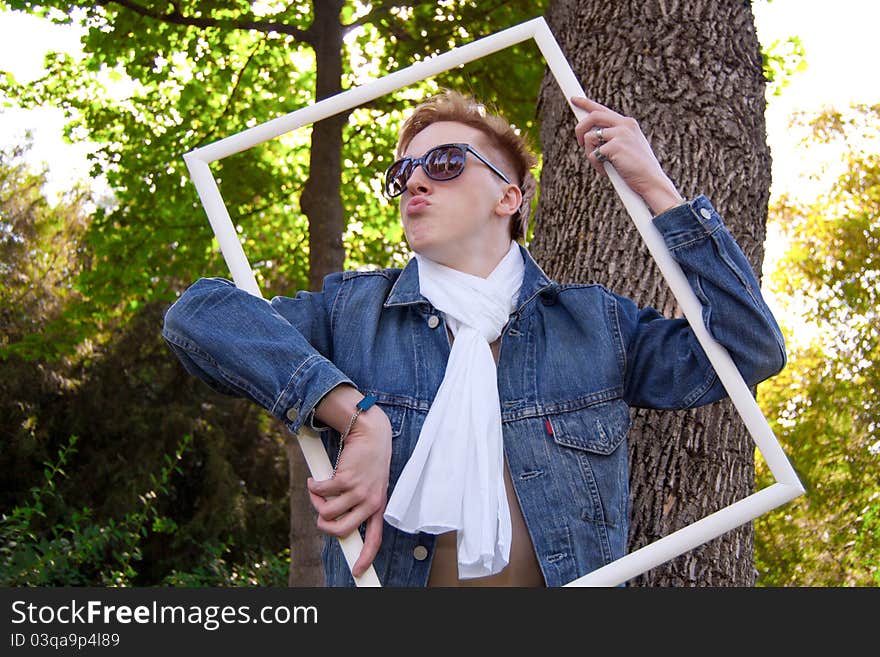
[455, 221]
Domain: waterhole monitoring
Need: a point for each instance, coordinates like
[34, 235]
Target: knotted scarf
[454, 479]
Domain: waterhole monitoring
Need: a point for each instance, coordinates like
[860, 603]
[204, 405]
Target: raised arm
[665, 364]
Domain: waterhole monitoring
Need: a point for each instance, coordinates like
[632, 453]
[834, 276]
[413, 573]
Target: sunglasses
[443, 162]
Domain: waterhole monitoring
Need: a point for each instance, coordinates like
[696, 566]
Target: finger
[327, 487]
[599, 135]
[372, 541]
[582, 126]
[317, 502]
[605, 118]
[593, 121]
[333, 521]
[334, 507]
[596, 161]
[340, 527]
[586, 103]
[345, 524]
[592, 106]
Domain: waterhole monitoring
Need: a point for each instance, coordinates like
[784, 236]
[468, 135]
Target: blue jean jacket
[572, 360]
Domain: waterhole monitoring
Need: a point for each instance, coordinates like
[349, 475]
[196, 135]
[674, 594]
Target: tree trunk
[691, 74]
[321, 202]
[305, 539]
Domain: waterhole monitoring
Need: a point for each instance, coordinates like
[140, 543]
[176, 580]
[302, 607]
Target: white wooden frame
[787, 486]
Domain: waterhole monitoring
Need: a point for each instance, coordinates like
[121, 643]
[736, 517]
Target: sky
[24, 41]
[839, 39]
[841, 53]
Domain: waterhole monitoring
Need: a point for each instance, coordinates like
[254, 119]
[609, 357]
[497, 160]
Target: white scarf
[454, 479]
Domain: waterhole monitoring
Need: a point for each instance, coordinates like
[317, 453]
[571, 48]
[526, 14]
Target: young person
[484, 407]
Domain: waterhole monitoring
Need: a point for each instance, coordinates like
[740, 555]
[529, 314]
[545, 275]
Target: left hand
[358, 492]
[623, 144]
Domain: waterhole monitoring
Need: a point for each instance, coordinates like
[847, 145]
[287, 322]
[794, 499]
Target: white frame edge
[787, 486]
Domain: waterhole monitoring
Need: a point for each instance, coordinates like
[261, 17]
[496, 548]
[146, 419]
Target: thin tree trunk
[691, 74]
[305, 540]
[321, 202]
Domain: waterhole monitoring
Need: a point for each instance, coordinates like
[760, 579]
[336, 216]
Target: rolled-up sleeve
[665, 365]
[241, 345]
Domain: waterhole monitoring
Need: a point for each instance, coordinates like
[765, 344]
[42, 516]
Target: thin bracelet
[361, 406]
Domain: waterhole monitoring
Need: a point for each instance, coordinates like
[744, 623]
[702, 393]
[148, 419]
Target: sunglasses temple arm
[491, 166]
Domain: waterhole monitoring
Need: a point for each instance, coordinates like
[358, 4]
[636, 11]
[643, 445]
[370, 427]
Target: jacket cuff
[307, 386]
[688, 222]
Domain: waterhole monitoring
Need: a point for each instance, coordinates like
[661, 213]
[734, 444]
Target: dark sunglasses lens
[445, 162]
[398, 174]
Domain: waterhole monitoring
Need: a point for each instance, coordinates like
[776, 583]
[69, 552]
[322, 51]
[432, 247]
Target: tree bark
[306, 568]
[321, 202]
[691, 74]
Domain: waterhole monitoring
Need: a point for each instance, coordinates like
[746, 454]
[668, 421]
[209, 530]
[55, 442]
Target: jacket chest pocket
[598, 429]
[400, 418]
[396, 414]
[592, 467]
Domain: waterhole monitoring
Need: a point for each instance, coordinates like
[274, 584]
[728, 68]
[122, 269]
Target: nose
[418, 182]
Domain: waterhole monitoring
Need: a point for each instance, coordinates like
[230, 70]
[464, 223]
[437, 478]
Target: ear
[511, 199]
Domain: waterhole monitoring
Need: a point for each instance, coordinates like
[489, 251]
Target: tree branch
[229, 100]
[176, 18]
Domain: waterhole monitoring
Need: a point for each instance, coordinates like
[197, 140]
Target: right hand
[359, 491]
[624, 144]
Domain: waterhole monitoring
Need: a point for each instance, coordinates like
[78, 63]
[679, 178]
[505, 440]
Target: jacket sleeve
[665, 366]
[275, 353]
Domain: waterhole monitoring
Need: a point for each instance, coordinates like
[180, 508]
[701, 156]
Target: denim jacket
[573, 358]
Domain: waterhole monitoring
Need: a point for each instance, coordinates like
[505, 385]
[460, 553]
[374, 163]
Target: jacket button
[292, 414]
[420, 553]
[433, 321]
[707, 214]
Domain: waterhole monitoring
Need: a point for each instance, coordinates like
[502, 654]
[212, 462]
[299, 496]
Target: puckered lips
[416, 205]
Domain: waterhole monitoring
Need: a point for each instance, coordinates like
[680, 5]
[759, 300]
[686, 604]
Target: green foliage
[80, 515]
[782, 60]
[216, 570]
[131, 404]
[41, 254]
[826, 401]
[74, 549]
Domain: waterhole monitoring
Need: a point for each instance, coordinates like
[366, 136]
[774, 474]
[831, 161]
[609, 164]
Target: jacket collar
[405, 290]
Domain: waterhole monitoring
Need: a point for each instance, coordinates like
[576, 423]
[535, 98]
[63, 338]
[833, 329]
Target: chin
[421, 244]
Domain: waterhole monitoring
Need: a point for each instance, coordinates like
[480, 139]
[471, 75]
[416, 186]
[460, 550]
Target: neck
[479, 263]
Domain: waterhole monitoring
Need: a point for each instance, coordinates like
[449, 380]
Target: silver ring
[599, 136]
[600, 155]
